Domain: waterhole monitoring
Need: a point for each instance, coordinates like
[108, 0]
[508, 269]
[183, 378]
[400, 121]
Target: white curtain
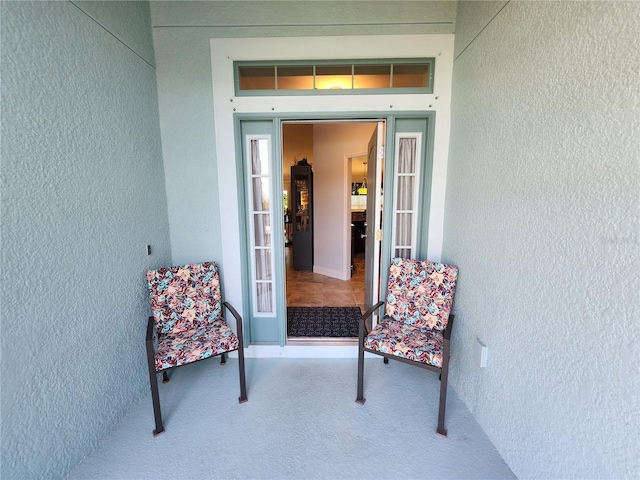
[261, 227]
[405, 196]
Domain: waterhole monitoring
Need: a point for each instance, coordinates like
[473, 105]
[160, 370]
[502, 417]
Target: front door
[406, 169]
[374, 216]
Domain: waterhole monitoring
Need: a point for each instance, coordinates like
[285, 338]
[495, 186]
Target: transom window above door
[334, 77]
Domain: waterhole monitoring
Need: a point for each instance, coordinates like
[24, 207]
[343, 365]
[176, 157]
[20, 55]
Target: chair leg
[243, 382]
[360, 397]
[440, 430]
[223, 359]
[386, 360]
[165, 376]
[155, 396]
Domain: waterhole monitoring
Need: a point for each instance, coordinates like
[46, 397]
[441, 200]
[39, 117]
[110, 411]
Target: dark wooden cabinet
[302, 216]
[359, 228]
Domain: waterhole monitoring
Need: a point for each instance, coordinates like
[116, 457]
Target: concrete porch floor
[301, 422]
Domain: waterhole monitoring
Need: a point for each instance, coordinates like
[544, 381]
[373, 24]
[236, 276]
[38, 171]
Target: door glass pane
[410, 75]
[371, 76]
[264, 297]
[257, 78]
[405, 197]
[403, 228]
[260, 157]
[261, 194]
[262, 230]
[263, 264]
[407, 155]
[405, 193]
[260, 224]
[295, 78]
[403, 252]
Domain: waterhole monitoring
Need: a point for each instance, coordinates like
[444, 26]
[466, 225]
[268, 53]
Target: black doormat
[323, 321]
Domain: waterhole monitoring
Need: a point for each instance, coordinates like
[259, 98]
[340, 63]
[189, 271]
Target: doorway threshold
[322, 341]
[330, 348]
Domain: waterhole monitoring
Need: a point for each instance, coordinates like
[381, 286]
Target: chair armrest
[366, 315]
[447, 330]
[151, 345]
[238, 323]
[150, 330]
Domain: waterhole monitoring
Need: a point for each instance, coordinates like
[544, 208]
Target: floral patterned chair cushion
[420, 293]
[186, 346]
[183, 298]
[186, 303]
[404, 340]
[419, 300]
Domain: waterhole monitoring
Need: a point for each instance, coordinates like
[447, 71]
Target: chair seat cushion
[419, 344]
[186, 346]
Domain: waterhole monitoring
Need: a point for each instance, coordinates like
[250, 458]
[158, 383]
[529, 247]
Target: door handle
[363, 235]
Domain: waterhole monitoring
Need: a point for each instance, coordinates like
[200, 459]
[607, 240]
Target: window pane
[263, 297]
[403, 228]
[416, 75]
[261, 194]
[263, 264]
[407, 155]
[262, 230]
[285, 78]
[405, 193]
[257, 78]
[371, 76]
[403, 252]
[295, 78]
[260, 157]
[333, 77]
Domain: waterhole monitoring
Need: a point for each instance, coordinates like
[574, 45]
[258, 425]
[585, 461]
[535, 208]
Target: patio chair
[188, 324]
[416, 326]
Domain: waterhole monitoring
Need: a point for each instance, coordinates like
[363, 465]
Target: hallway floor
[308, 289]
[301, 422]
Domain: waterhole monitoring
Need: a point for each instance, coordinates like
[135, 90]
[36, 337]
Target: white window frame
[251, 214]
[416, 192]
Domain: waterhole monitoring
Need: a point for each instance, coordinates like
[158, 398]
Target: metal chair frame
[153, 373]
[364, 329]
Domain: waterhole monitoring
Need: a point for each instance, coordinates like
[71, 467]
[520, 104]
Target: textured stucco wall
[542, 218]
[185, 100]
[82, 194]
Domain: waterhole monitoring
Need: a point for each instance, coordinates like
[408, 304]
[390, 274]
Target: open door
[374, 217]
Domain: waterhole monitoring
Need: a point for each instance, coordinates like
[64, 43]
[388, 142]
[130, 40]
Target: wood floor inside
[308, 289]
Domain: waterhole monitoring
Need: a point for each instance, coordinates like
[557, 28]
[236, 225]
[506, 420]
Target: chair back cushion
[184, 298]
[420, 293]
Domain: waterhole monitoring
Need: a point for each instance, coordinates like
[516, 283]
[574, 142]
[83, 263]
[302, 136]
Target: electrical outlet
[482, 352]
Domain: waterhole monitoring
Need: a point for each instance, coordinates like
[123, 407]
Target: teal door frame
[272, 330]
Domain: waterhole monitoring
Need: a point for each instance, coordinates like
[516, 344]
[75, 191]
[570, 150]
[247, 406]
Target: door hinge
[379, 235]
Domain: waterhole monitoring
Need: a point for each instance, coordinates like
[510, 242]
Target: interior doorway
[337, 156]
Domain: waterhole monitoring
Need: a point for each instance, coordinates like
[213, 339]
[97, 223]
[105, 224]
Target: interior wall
[542, 218]
[332, 145]
[82, 195]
